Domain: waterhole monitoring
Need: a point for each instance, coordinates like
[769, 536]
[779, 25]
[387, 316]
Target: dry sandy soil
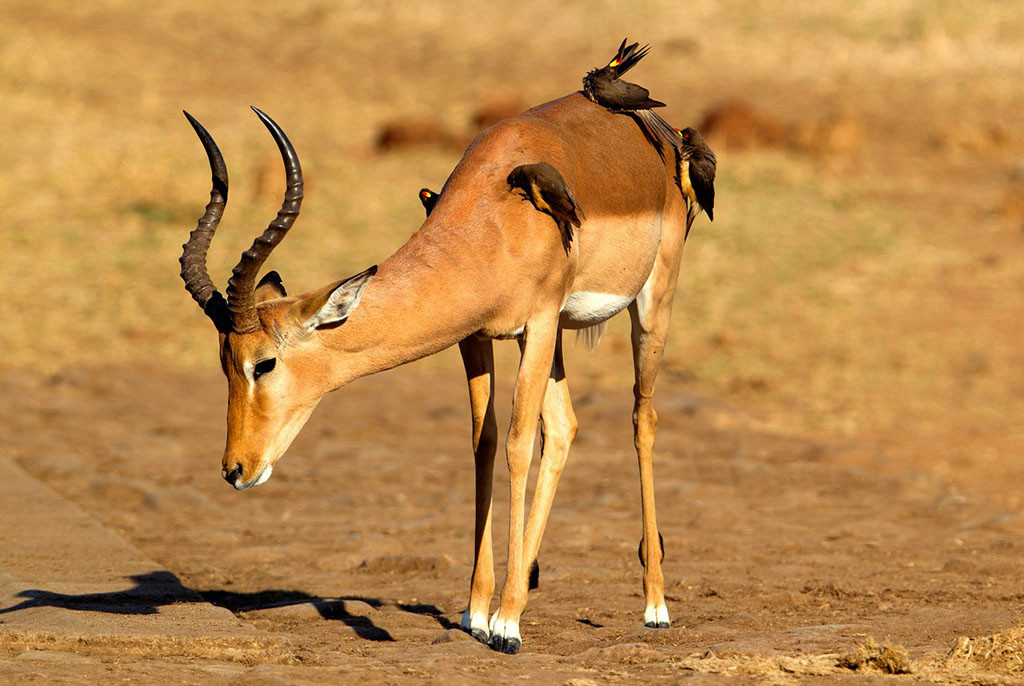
[839, 453]
[781, 555]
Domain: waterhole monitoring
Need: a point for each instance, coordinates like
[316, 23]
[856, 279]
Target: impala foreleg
[531, 384]
[558, 428]
[478, 358]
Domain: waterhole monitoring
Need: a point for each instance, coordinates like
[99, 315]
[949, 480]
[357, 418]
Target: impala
[484, 265]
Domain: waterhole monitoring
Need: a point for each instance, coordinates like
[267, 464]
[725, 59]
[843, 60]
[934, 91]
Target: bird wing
[636, 97]
[565, 205]
[538, 196]
[702, 178]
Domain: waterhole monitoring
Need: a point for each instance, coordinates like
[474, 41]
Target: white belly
[583, 309]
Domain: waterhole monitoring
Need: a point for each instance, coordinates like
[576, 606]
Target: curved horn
[193, 256]
[243, 277]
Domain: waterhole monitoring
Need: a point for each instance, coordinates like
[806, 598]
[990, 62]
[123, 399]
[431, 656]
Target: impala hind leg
[531, 384]
[558, 428]
[478, 359]
[649, 330]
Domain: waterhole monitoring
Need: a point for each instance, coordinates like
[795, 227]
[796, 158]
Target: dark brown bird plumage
[548, 192]
[605, 87]
[696, 165]
[429, 199]
[625, 59]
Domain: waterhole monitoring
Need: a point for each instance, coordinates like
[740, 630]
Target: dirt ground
[839, 456]
[781, 555]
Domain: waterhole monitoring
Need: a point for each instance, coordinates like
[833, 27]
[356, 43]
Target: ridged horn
[193, 256]
[241, 286]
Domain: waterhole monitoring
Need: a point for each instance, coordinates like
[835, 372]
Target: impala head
[268, 340]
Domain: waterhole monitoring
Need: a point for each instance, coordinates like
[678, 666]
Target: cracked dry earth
[353, 560]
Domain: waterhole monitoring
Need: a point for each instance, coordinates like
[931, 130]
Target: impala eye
[263, 367]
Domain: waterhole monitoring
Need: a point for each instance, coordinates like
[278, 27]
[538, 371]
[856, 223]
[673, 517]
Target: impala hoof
[504, 635]
[508, 645]
[480, 635]
[656, 617]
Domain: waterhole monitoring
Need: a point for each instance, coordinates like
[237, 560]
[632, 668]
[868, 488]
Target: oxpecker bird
[696, 165]
[604, 87]
[429, 199]
[597, 82]
[548, 192]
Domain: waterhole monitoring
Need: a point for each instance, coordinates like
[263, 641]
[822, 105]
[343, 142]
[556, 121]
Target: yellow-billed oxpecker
[696, 165]
[604, 87]
[548, 192]
[429, 199]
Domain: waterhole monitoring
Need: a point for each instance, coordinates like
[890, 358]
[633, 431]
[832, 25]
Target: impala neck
[419, 303]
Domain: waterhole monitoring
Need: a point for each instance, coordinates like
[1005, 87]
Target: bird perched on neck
[605, 87]
[695, 170]
[429, 199]
[548, 192]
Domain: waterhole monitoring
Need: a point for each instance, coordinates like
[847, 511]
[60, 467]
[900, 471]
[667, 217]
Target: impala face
[270, 351]
[267, 407]
[278, 373]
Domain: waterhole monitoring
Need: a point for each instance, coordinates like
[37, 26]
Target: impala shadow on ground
[157, 589]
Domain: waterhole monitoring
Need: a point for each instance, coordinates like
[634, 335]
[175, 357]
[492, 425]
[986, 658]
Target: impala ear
[334, 304]
[269, 287]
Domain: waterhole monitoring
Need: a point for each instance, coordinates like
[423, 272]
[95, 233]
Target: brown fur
[482, 267]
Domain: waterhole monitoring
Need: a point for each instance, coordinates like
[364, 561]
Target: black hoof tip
[534, 575]
[480, 635]
[657, 625]
[509, 646]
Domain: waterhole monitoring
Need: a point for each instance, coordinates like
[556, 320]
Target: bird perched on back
[548, 192]
[429, 199]
[599, 84]
[604, 87]
[695, 169]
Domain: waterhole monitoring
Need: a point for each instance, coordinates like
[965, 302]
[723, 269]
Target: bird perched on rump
[548, 192]
[604, 87]
[429, 199]
[695, 174]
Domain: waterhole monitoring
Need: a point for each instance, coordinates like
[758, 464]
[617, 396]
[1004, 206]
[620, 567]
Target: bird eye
[263, 367]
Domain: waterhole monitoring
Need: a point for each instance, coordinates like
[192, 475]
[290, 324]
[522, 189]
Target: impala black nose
[234, 475]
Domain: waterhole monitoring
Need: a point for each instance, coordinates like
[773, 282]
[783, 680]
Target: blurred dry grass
[875, 292]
